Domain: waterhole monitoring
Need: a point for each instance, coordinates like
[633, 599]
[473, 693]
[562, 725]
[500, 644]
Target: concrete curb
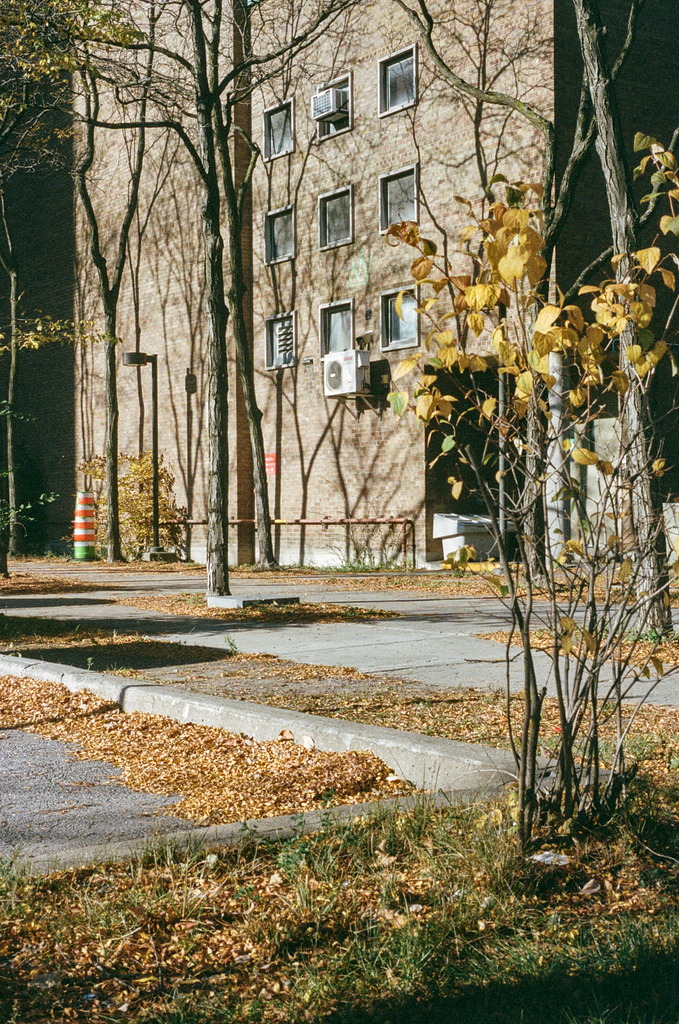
[429, 762]
[204, 839]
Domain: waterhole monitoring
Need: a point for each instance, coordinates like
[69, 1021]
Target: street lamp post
[143, 359]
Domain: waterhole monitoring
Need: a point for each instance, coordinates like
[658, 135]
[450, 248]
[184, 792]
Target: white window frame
[265, 139]
[391, 293]
[268, 218]
[329, 195]
[349, 78]
[415, 169]
[383, 111]
[322, 309]
[270, 320]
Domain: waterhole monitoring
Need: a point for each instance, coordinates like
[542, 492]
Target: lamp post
[143, 359]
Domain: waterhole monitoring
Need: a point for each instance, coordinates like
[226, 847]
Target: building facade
[359, 131]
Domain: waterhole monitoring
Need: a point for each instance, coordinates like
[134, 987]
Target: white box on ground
[455, 531]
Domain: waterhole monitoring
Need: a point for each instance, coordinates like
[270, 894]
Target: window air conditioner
[329, 105]
[346, 373]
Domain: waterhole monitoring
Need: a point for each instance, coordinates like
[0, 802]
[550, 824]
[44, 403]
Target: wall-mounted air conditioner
[329, 105]
[346, 373]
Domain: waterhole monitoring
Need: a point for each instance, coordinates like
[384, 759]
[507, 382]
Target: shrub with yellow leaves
[489, 307]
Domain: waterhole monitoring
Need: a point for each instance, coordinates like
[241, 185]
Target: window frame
[383, 111]
[385, 296]
[322, 312]
[268, 219]
[266, 113]
[384, 178]
[324, 196]
[349, 78]
[268, 324]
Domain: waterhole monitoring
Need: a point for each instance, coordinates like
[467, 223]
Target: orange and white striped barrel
[84, 528]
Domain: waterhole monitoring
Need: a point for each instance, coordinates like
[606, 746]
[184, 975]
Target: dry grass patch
[401, 918]
[220, 776]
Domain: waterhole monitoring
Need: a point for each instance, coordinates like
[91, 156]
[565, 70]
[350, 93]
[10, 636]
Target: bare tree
[110, 270]
[196, 90]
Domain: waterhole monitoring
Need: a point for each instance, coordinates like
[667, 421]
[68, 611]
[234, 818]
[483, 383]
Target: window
[335, 218]
[337, 327]
[398, 197]
[280, 341]
[278, 131]
[398, 81]
[279, 235]
[399, 331]
[340, 117]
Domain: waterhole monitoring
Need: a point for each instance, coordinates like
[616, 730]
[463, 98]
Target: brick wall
[332, 459]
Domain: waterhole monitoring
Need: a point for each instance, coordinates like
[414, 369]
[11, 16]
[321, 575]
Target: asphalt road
[51, 803]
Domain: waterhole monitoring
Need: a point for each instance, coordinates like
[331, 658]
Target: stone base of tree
[218, 601]
[159, 556]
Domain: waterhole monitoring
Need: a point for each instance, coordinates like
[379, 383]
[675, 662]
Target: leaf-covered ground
[35, 583]
[637, 650]
[424, 918]
[220, 776]
[196, 604]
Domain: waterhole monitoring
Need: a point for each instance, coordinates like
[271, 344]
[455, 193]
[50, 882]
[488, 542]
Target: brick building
[358, 133]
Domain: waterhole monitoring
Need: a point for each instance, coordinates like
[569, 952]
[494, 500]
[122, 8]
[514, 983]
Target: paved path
[433, 642]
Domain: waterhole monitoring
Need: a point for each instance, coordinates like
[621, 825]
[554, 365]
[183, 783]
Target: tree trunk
[217, 379]
[636, 424]
[217, 401]
[265, 552]
[14, 527]
[557, 481]
[113, 548]
[236, 182]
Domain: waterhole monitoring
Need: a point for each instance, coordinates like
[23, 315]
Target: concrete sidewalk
[434, 641]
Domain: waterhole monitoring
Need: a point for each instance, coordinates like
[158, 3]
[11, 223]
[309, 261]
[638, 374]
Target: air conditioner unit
[346, 373]
[329, 105]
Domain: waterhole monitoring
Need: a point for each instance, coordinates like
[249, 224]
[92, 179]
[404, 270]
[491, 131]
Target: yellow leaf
[421, 267]
[625, 570]
[605, 467]
[426, 404]
[456, 489]
[584, 457]
[634, 353]
[567, 624]
[406, 365]
[546, 317]
[659, 466]
[575, 317]
[513, 265]
[488, 407]
[524, 383]
[657, 664]
[573, 546]
[578, 397]
[476, 322]
[620, 381]
[649, 258]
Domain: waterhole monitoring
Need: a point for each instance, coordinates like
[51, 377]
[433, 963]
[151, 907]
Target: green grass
[426, 917]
